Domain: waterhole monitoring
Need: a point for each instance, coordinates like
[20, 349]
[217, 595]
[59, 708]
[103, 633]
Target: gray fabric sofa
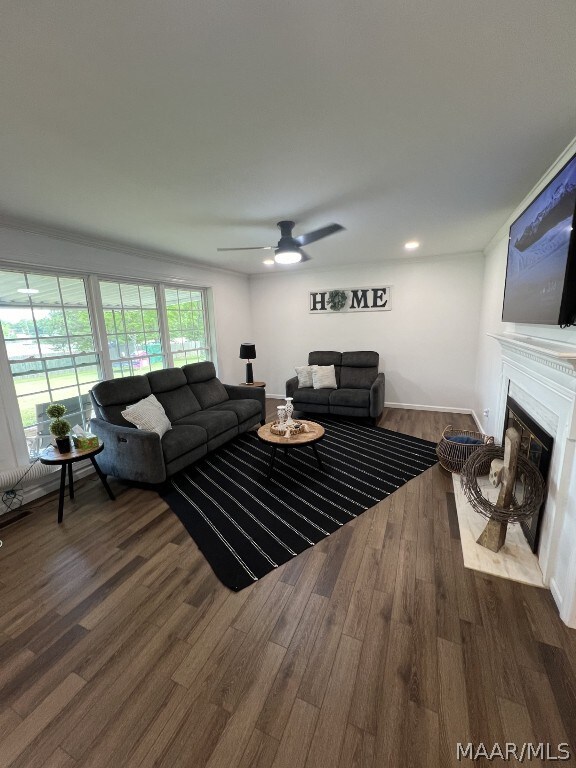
[360, 389]
[204, 414]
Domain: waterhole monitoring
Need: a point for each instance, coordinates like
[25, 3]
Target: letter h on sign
[318, 302]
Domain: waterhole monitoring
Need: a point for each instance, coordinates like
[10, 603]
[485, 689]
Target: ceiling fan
[289, 248]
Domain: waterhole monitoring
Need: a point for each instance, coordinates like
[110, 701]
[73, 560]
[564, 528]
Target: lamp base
[249, 374]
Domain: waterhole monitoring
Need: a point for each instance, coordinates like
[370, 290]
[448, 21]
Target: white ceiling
[184, 126]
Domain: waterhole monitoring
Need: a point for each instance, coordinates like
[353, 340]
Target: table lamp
[248, 352]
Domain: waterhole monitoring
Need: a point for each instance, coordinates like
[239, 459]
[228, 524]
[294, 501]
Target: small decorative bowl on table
[296, 428]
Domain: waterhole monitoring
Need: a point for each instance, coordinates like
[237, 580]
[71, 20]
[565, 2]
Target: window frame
[100, 337]
[10, 394]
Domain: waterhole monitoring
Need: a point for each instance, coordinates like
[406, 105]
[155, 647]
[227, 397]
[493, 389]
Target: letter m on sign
[359, 299]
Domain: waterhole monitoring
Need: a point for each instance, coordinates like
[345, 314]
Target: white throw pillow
[304, 373]
[148, 414]
[324, 377]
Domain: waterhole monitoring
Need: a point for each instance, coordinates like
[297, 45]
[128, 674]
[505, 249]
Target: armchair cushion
[353, 398]
[312, 396]
[357, 378]
[304, 373]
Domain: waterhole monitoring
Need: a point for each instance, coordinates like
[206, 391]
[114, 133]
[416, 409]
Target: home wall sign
[340, 300]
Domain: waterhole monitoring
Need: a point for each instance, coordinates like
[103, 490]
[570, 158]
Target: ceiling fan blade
[305, 256]
[249, 248]
[318, 234]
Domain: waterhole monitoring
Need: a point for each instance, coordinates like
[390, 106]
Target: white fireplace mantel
[541, 374]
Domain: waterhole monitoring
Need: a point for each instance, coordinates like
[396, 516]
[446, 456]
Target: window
[56, 353]
[187, 325]
[50, 344]
[132, 327]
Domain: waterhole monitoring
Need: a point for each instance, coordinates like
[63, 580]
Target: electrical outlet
[486, 412]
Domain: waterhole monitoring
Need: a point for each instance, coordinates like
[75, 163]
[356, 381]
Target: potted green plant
[60, 428]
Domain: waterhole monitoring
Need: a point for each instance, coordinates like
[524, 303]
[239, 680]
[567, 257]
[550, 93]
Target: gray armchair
[360, 391]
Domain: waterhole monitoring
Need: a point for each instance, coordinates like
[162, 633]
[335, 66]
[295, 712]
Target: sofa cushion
[353, 398]
[360, 359]
[209, 393]
[112, 397]
[312, 396]
[357, 378]
[323, 377]
[213, 422]
[304, 373]
[166, 379]
[327, 358]
[196, 372]
[171, 388]
[182, 439]
[148, 414]
[244, 409]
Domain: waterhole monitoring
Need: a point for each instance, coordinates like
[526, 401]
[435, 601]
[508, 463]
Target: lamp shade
[247, 351]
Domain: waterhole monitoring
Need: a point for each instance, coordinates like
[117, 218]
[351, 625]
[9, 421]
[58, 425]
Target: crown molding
[92, 241]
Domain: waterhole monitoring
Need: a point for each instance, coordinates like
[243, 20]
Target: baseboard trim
[441, 408]
[413, 407]
[42, 487]
[478, 424]
[556, 593]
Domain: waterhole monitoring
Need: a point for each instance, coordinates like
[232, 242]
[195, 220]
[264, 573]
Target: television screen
[541, 259]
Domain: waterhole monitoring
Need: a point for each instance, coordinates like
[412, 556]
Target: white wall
[427, 342]
[489, 354]
[230, 294]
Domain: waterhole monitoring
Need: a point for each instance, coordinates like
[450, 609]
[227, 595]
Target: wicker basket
[452, 456]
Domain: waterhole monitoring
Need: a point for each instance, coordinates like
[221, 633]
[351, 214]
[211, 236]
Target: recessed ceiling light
[411, 245]
[268, 262]
[28, 291]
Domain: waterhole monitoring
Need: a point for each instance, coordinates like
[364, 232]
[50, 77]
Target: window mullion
[163, 325]
[96, 313]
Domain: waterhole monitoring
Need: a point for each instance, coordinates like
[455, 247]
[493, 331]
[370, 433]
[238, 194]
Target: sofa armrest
[377, 396]
[130, 453]
[238, 392]
[291, 386]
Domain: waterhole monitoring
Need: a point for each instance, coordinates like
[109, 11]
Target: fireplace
[540, 375]
[536, 445]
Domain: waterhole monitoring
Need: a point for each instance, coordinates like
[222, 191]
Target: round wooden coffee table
[314, 435]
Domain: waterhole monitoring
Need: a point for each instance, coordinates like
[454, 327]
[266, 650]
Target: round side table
[52, 456]
[253, 384]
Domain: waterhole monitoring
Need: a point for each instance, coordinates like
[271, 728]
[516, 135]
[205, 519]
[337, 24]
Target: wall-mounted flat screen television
[541, 271]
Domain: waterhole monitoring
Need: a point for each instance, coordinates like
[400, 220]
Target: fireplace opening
[536, 445]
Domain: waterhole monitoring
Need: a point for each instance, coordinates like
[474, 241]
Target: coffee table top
[315, 433]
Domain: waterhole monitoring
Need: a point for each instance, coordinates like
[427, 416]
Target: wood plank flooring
[376, 648]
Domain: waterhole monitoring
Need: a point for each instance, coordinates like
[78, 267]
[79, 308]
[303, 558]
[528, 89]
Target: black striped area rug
[246, 524]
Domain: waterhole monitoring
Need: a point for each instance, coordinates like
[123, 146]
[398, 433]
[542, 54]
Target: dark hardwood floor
[375, 648]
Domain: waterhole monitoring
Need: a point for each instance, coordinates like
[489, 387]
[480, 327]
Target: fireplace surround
[540, 376]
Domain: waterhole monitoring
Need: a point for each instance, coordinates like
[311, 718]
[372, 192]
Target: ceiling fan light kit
[289, 248]
[288, 256]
